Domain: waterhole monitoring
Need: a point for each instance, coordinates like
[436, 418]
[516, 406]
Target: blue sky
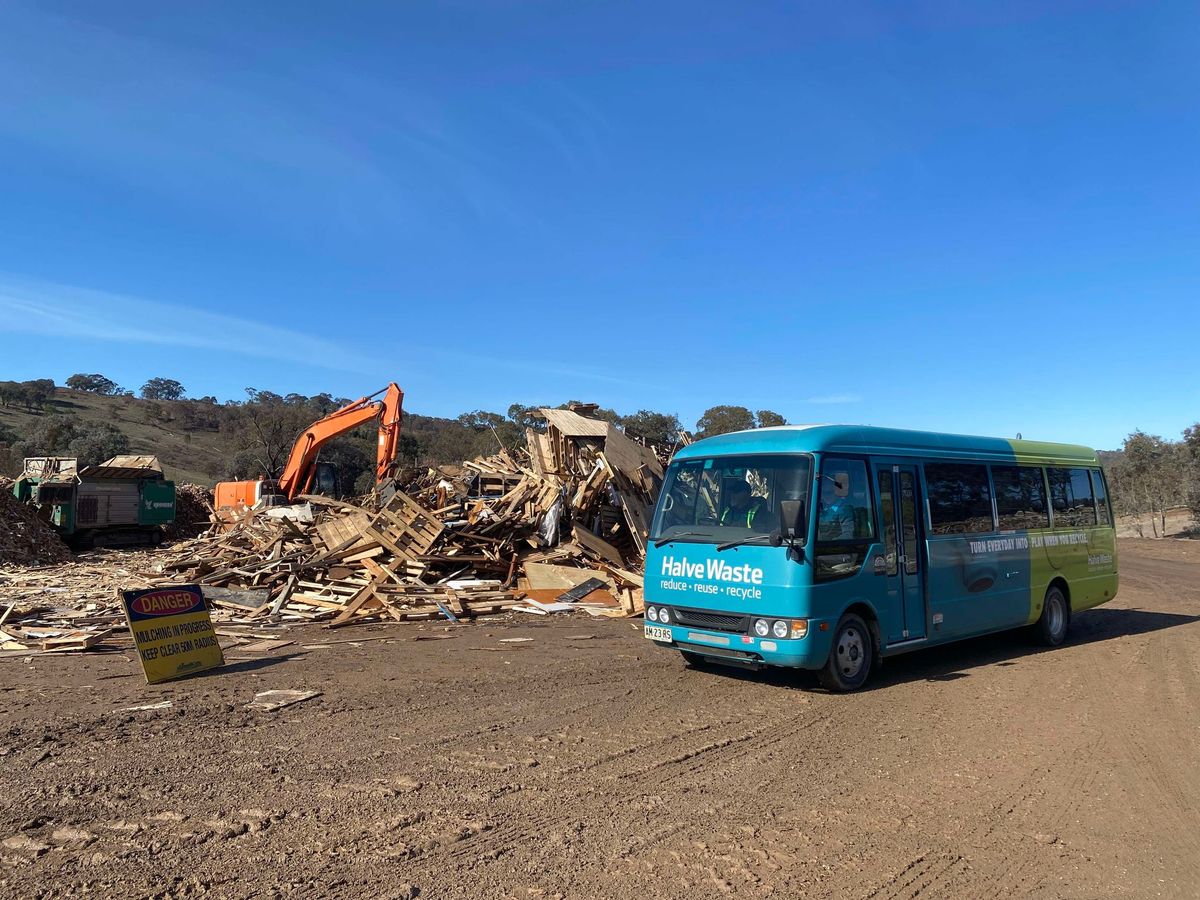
[976, 217]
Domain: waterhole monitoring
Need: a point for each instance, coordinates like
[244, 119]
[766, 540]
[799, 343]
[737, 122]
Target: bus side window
[887, 517]
[845, 525]
[960, 501]
[1020, 498]
[1101, 493]
[1071, 497]
[844, 510]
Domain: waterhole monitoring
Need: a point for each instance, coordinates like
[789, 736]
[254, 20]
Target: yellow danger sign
[173, 631]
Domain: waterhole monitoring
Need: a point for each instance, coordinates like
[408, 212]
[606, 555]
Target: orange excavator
[303, 470]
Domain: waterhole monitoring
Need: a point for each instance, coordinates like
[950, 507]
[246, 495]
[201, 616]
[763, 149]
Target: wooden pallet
[405, 528]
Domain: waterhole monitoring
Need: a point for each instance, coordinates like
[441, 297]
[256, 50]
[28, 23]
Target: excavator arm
[298, 474]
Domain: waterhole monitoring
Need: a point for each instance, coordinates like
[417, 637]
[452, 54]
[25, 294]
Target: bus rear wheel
[850, 656]
[1051, 627]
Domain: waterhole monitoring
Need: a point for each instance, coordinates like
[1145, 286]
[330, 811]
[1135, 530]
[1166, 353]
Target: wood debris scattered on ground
[562, 525]
[82, 597]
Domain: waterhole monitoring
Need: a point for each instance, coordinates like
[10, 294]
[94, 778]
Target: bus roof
[868, 439]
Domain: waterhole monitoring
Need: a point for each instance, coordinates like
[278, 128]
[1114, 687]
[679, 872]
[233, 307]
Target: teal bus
[831, 547]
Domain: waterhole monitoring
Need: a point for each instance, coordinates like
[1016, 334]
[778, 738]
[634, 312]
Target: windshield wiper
[774, 538]
[667, 540]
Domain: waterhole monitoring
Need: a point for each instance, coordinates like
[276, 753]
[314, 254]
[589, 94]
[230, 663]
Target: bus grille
[714, 621]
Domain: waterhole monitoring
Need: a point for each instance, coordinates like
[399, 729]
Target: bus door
[901, 566]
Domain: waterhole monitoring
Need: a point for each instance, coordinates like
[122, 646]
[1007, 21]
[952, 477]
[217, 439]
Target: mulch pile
[193, 511]
[26, 540]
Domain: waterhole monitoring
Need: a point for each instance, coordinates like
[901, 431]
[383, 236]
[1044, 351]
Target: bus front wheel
[850, 657]
[1051, 627]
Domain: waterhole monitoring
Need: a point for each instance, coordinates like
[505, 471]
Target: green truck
[123, 501]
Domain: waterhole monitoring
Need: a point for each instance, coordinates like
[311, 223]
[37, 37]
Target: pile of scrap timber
[333, 562]
[25, 538]
[575, 505]
[565, 522]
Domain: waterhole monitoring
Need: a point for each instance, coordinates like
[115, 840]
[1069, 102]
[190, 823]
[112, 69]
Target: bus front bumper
[809, 652]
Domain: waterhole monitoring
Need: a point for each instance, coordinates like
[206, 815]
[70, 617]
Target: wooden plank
[315, 600]
[273, 700]
[284, 595]
[344, 534]
[597, 545]
[627, 456]
[562, 578]
[76, 640]
[264, 646]
[355, 604]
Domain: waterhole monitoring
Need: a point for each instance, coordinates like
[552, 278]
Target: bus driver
[743, 509]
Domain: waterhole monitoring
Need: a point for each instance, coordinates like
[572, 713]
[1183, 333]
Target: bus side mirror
[791, 519]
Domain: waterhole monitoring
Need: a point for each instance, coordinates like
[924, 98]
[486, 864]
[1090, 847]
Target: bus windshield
[726, 498]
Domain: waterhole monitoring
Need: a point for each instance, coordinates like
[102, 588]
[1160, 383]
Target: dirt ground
[1179, 522]
[588, 763]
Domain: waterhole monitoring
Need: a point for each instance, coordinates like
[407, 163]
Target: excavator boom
[298, 474]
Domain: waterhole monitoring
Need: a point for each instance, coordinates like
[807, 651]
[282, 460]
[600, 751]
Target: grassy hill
[187, 455]
[203, 442]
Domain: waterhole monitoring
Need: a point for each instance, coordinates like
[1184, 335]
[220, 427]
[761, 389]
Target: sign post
[173, 631]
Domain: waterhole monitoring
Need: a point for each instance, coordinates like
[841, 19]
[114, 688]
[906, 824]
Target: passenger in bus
[743, 509]
[835, 519]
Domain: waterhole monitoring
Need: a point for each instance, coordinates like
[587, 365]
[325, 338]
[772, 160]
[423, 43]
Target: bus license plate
[658, 634]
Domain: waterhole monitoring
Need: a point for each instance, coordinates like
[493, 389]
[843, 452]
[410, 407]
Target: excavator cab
[326, 481]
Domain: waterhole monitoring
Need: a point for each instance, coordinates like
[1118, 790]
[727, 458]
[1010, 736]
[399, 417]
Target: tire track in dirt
[692, 766]
[926, 874]
[1145, 749]
[1147, 743]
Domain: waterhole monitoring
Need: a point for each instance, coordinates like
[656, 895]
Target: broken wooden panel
[627, 456]
[345, 534]
[541, 455]
[597, 545]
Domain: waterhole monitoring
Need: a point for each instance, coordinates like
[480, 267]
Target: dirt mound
[193, 505]
[25, 539]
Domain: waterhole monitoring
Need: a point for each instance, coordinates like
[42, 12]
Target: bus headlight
[761, 627]
[664, 615]
[779, 628]
[652, 613]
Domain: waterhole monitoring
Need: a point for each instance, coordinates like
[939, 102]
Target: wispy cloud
[834, 399]
[42, 308]
[566, 122]
[33, 307]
